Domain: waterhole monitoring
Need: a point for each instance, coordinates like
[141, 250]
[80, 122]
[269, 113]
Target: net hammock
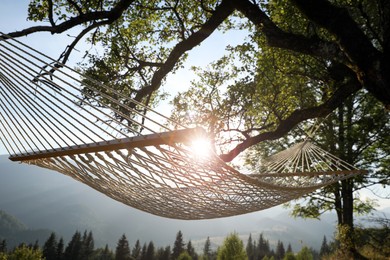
[54, 117]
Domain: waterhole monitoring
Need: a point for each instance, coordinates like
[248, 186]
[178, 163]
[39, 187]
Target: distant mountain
[9, 224]
[15, 232]
[44, 199]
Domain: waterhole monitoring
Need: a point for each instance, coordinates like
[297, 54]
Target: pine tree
[122, 251]
[249, 248]
[88, 245]
[178, 246]
[60, 249]
[106, 254]
[167, 253]
[289, 248]
[150, 251]
[159, 253]
[271, 254]
[207, 249]
[263, 247]
[191, 251]
[163, 253]
[36, 245]
[143, 252]
[280, 252]
[136, 252]
[50, 247]
[325, 249]
[3, 246]
[73, 250]
[255, 250]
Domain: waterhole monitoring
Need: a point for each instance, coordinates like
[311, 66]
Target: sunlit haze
[201, 147]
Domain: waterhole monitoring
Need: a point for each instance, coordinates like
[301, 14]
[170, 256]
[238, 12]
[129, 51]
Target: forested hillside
[82, 246]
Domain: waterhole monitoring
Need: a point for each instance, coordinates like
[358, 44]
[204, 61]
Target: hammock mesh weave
[53, 117]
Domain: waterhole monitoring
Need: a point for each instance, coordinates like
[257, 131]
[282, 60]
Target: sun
[201, 147]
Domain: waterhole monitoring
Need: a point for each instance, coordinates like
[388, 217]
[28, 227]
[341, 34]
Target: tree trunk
[344, 192]
[346, 145]
[337, 203]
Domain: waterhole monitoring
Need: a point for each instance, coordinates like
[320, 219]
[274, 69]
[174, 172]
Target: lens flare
[201, 147]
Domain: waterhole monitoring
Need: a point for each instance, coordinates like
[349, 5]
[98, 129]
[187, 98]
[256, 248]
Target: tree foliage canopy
[301, 59]
[24, 252]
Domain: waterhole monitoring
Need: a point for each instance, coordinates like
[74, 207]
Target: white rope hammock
[52, 119]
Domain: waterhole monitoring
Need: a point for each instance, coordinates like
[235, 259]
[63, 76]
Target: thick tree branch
[51, 20]
[65, 55]
[295, 118]
[109, 16]
[276, 37]
[221, 13]
[352, 47]
[96, 19]
[367, 62]
[337, 20]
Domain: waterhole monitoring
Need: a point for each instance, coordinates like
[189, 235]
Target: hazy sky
[13, 16]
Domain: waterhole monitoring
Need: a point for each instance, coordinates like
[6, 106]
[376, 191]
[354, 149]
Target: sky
[13, 16]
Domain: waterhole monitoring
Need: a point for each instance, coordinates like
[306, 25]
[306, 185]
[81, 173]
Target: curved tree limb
[368, 63]
[65, 55]
[96, 19]
[276, 37]
[221, 13]
[353, 47]
[108, 16]
[51, 20]
[350, 37]
[295, 118]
